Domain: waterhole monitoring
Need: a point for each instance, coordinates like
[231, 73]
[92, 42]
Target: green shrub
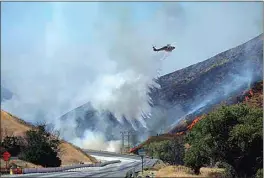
[232, 134]
[170, 151]
[41, 148]
[11, 144]
[229, 170]
[259, 173]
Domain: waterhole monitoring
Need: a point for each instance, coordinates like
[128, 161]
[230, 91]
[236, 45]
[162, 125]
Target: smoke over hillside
[105, 58]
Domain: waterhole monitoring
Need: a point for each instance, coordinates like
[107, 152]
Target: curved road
[128, 163]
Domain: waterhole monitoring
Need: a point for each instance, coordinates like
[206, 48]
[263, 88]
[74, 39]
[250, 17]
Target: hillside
[252, 97]
[191, 91]
[11, 125]
[212, 71]
[210, 82]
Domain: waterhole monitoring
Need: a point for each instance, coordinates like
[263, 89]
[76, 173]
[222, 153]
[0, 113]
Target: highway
[127, 164]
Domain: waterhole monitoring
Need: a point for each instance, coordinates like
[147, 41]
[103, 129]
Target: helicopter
[167, 48]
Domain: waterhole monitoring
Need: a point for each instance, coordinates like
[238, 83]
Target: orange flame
[250, 92]
[197, 119]
[246, 98]
[180, 133]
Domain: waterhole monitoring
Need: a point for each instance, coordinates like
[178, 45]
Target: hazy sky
[200, 29]
[57, 56]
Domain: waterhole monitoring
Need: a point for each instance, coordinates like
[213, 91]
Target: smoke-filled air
[60, 56]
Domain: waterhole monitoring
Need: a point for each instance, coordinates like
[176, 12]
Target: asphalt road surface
[127, 164]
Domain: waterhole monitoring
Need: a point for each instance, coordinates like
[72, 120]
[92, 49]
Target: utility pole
[128, 139]
[122, 147]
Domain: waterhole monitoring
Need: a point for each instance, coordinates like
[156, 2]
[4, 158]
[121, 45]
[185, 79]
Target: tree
[231, 134]
[41, 148]
[12, 144]
[196, 157]
[170, 151]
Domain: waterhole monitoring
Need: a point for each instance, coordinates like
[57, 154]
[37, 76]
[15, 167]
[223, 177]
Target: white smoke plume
[96, 141]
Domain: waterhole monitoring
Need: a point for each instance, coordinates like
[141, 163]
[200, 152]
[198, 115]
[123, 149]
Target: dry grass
[70, 154]
[212, 172]
[175, 171]
[12, 126]
[159, 165]
[163, 170]
[169, 171]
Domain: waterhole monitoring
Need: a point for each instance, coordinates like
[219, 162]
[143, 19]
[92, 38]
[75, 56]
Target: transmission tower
[127, 137]
[123, 141]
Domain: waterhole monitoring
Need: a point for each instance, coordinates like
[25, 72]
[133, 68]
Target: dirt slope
[11, 125]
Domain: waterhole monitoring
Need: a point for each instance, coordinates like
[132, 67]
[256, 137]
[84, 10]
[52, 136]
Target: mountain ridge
[210, 61]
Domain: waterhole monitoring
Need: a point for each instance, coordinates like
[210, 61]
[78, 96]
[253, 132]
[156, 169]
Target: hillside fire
[195, 121]
[248, 94]
[189, 127]
[253, 95]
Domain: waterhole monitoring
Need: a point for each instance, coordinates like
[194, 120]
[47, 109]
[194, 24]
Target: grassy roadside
[163, 170]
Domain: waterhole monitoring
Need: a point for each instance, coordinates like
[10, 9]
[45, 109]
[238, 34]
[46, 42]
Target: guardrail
[60, 169]
[106, 153]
